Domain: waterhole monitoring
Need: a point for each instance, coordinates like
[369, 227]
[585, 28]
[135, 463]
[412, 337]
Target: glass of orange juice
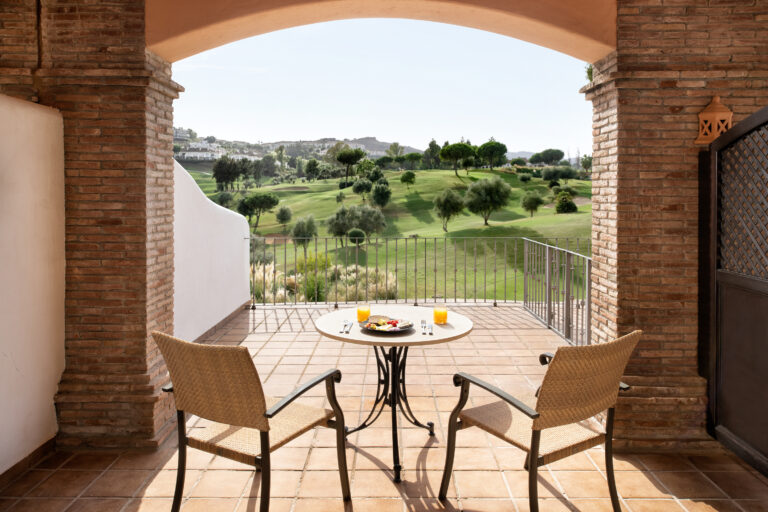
[440, 314]
[363, 312]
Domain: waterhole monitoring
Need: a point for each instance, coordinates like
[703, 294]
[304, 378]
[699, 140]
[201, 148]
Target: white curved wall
[31, 275]
[210, 259]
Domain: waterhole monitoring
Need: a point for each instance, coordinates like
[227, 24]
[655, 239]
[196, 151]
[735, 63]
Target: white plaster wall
[31, 275]
[210, 259]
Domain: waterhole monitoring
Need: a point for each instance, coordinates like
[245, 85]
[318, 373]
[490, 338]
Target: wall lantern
[714, 120]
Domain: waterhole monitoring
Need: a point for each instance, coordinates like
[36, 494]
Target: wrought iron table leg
[393, 401]
[402, 398]
[382, 391]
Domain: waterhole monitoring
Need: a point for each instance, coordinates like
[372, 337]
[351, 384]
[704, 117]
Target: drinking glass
[440, 314]
[363, 312]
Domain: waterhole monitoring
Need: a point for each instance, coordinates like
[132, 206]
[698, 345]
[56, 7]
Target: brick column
[88, 59]
[670, 61]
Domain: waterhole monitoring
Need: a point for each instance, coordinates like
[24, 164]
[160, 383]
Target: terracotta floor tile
[149, 505]
[718, 506]
[94, 461]
[64, 483]
[472, 459]
[480, 484]
[320, 484]
[621, 462]
[740, 484]
[209, 505]
[660, 505]
[283, 484]
[431, 505]
[686, 484]
[163, 483]
[289, 458]
[373, 458]
[375, 484]
[719, 462]
[196, 459]
[659, 462]
[565, 505]
[98, 505]
[54, 461]
[275, 505]
[24, 483]
[424, 484]
[41, 505]
[318, 505]
[518, 484]
[118, 483]
[753, 505]
[221, 484]
[510, 458]
[326, 458]
[139, 460]
[377, 505]
[5, 503]
[640, 484]
[488, 505]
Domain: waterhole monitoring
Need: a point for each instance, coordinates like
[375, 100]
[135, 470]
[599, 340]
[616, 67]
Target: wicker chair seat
[509, 424]
[242, 444]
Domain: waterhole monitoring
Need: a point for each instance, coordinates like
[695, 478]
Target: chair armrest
[624, 387]
[459, 378]
[546, 358]
[168, 388]
[333, 375]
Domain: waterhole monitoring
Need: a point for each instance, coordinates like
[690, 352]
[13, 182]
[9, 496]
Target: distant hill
[519, 154]
[370, 145]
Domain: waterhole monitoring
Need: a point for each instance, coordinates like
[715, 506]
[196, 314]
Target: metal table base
[390, 390]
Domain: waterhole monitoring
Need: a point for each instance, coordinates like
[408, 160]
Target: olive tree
[408, 178]
[531, 202]
[303, 231]
[283, 216]
[362, 187]
[381, 194]
[487, 196]
[448, 205]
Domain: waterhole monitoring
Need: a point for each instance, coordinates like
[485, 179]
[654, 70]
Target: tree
[431, 156]
[374, 175]
[283, 216]
[400, 159]
[370, 220]
[384, 161]
[340, 196]
[362, 187]
[531, 202]
[381, 194]
[413, 159]
[487, 196]
[210, 139]
[333, 151]
[225, 172]
[409, 178]
[564, 203]
[455, 153]
[448, 205]
[257, 171]
[268, 166]
[524, 177]
[280, 154]
[586, 162]
[312, 169]
[518, 161]
[340, 223]
[256, 205]
[494, 153]
[395, 150]
[356, 236]
[223, 199]
[467, 163]
[349, 157]
[303, 232]
[547, 157]
[365, 167]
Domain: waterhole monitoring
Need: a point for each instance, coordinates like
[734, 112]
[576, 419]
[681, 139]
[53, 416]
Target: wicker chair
[558, 420]
[220, 384]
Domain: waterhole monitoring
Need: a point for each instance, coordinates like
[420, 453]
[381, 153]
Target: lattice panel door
[743, 203]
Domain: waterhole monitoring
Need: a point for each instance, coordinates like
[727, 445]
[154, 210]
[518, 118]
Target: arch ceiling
[585, 29]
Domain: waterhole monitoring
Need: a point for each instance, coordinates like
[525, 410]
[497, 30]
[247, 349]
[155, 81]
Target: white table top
[457, 327]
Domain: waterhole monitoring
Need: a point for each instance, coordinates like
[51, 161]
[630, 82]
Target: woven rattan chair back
[583, 381]
[218, 383]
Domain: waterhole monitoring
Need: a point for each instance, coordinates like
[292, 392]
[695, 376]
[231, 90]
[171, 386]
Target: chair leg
[609, 462]
[449, 454]
[533, 470]
[182, 463]
[341, 455]
[265, 472]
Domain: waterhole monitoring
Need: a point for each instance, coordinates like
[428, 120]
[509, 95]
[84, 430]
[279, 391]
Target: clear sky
[398, 80]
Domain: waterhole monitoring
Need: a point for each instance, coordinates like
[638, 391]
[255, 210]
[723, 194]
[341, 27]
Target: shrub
[568, 190]
[374, 175]
[525, 178]
[223, 198]
[564, 203]
[381, 195]
[553, 184]
[314, 287]
[345, 183]
[536, 173]
[356, 236]
[313, 262]
[362, 187]
[382, 180]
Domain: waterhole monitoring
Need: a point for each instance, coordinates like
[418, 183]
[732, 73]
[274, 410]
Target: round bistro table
[391, 351]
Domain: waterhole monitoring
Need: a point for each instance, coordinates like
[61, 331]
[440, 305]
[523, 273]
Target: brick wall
[116, 100]
[671, 58]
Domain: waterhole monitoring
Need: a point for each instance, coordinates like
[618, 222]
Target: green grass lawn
[410, 212]
[472, 261]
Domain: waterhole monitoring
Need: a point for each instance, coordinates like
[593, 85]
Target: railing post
[588, 293]
[525, 272]
[568, 300]
[548, 284]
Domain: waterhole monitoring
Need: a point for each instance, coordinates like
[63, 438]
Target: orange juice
[440, 315]
[363, 312]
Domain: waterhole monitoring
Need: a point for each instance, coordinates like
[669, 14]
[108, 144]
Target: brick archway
[99, 64]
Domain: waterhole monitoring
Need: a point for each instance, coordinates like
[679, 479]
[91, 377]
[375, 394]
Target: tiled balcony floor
[489, 475]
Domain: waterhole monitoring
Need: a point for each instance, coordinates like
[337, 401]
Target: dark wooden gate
[738, 289]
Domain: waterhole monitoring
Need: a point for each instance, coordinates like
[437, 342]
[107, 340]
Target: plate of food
[385, 324]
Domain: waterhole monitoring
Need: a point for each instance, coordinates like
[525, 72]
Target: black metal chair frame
[262, 463]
